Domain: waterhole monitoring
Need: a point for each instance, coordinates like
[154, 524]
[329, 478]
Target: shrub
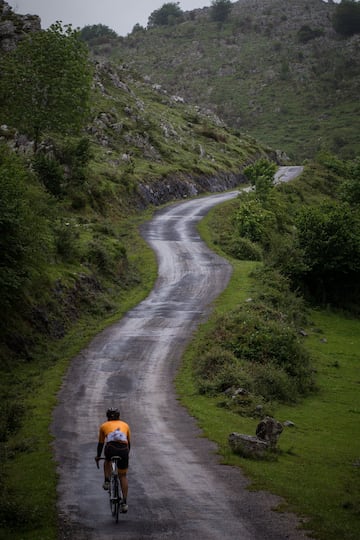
[50, 173]
[260, 336]
[306, 33]
[217, 370]
[273, 383]
[346, 19]
[329, 236]
[65, 237]
[275, 292]
[253, 221]
[220, 10]
[109, 258]
[11, 415]
[243, 249]
[96, 32]
[169, 14]
[350, 190]
[25, 238]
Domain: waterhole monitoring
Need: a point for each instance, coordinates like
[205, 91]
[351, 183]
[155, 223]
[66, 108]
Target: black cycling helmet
[113, 414]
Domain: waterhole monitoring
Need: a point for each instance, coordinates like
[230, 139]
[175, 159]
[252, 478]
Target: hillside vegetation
[274, 68]
[269, 350]
[74, 189]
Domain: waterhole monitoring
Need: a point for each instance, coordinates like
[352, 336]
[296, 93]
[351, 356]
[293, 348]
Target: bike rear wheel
[115, 497]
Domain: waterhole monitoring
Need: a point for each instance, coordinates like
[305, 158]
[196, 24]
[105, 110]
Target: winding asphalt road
[178, 489]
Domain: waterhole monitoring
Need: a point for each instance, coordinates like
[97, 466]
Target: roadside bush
[109, 258]
[217, 370]
[263, 336]
[266, 346]
[287, 256]
[261, 175]
[253, 221]
[273, 383]
[9, 511]
[11, 416]
[329, 236]
[275, 292]
[243, 249]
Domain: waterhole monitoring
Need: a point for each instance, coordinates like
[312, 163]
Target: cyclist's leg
[107, 464]
[123, 465]
[124, 484]
[107, 469]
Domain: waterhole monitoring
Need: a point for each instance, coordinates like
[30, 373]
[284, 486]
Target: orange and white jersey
[114, 430]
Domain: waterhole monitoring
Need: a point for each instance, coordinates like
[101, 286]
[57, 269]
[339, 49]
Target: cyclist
[115, 435]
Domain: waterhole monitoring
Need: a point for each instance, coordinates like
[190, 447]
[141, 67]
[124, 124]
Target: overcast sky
[120, 15]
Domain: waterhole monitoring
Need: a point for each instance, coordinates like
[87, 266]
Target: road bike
[115, 493]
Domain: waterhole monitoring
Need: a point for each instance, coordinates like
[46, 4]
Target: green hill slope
[276, 69]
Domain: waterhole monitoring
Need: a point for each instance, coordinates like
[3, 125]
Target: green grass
[317, 470]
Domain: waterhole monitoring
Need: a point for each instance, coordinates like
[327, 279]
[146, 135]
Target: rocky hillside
[275, 68]
[159, 147]
[146, 141]
[13, 26]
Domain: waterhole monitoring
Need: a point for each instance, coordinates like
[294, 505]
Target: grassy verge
[317, 470]
[29, 467]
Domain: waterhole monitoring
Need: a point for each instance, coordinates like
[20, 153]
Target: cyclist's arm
[100, 447]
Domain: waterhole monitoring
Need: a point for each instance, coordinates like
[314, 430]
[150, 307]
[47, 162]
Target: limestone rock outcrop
[14, 27]
[267, 435]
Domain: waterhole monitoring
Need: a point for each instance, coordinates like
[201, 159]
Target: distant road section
[285, 174]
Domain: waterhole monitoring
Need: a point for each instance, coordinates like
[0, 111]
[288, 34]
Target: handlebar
[97, 461]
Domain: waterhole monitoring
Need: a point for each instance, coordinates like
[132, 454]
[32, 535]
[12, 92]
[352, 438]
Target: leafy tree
[169, 14]
[253, 221]
[220, 10]
[346, 19]
[351, 186]
[96, 32]
[329, 236]
[64, 167]
[137, 28]
[45, 83]
[261, 176]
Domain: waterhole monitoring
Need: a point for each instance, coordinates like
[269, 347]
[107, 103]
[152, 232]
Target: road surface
[285, 174]
[178, 489]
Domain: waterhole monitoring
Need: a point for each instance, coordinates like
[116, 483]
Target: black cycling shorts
[120, 449]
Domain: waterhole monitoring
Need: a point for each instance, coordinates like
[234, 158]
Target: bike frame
[115, 493]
